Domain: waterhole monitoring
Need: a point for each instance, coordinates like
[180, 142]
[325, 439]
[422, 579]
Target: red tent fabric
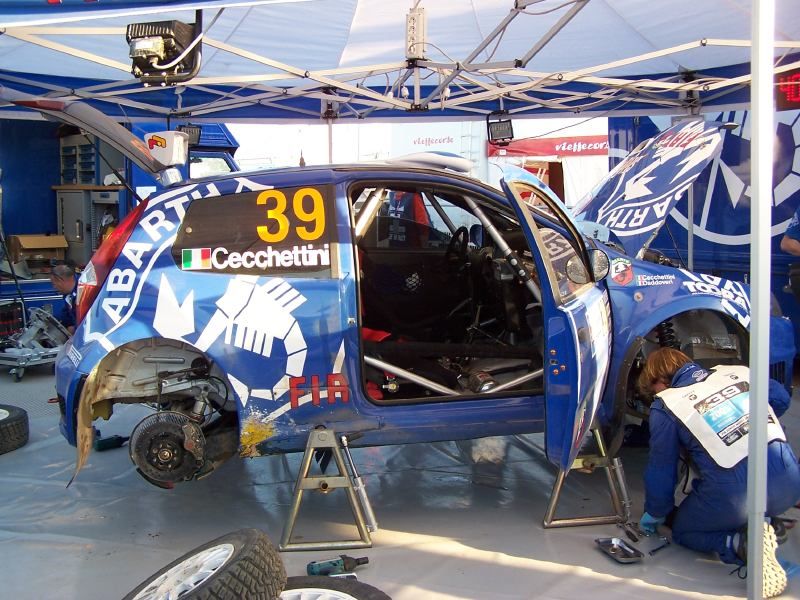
[577, 145]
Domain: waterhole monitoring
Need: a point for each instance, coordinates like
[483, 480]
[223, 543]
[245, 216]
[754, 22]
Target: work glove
[649, 524]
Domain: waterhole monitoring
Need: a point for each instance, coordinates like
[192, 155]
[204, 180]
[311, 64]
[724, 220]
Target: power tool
[335, 566]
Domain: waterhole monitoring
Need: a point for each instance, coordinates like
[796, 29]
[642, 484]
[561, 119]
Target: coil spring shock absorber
[665, 332]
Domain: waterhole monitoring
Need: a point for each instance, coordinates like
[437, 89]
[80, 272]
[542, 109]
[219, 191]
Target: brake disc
[167, 447]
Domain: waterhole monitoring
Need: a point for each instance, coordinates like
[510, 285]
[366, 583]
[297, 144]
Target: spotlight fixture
[165, 52]
[193, 131]
[499, 130]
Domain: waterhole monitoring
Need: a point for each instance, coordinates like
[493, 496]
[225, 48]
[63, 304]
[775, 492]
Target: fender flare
[632, 343]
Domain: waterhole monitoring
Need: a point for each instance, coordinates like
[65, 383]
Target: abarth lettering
[632, 218]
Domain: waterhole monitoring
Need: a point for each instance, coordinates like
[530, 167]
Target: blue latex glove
[649, 524]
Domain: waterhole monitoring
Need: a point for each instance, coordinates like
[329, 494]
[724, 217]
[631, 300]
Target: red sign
[787, 90]
[578, 145]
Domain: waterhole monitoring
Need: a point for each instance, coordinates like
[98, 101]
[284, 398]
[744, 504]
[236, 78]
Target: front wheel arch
[692, 329]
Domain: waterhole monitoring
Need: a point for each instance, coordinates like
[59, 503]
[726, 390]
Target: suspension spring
[665, 332]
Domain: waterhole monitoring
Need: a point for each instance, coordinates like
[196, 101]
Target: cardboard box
[39, 248]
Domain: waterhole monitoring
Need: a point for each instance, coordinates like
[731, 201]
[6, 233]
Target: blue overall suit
[793, 230]
[66, 313]
[715, 509]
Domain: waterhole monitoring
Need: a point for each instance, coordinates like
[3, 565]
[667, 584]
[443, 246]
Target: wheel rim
[4, 414]
[188, 574]
[312, 593]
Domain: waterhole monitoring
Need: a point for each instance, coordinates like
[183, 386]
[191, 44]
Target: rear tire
[13, 428]
[242, 565]
[329, 588]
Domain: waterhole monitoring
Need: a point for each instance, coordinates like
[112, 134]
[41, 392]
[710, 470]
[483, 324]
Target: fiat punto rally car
[402, 301]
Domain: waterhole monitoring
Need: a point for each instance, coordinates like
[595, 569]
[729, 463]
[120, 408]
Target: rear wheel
[329, 588]
[242, 565]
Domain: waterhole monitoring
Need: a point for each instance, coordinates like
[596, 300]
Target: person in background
[790, 242]
[65, 280]
[704, 414]
[410, 221]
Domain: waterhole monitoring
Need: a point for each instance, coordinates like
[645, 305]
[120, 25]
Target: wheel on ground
[242, 565]
[329, 588]
[13, 428]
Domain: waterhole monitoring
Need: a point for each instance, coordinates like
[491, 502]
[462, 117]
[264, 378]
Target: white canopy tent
[350, 59]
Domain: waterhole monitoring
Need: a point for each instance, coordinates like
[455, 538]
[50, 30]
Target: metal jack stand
[616, 485]
[326, 439]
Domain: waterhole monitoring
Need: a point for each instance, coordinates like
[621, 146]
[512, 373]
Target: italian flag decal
[196, 258]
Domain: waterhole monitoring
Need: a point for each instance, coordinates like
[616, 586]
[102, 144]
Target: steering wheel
[457, 248]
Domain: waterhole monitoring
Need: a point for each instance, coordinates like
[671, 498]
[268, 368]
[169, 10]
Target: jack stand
[616, 486]
[324, 439]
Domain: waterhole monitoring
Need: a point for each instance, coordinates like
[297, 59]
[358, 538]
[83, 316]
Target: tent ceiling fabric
[347, 58]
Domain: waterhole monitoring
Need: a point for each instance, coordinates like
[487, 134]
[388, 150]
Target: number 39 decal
[278, 225]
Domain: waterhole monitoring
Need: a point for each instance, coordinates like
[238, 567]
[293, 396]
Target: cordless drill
[335, 566]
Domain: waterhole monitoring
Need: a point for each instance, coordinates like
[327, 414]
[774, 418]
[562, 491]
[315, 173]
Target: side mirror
[576, 270]
[170, 148]
[600, 263]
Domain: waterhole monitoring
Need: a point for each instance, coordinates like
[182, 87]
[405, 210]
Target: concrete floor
[447, 530]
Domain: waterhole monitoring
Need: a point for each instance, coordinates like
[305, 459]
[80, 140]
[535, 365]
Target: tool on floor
[663, 545]
[358, 486]
[101, 443]
[336, 566]
[619, 550]
[629, 530]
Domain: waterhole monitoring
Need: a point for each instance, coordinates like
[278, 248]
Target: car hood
[636, 197]
[92, 121]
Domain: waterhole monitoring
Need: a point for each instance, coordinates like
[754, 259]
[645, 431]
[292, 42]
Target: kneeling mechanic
[705, 414]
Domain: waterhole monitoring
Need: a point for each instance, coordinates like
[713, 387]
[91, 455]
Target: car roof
[377, 168]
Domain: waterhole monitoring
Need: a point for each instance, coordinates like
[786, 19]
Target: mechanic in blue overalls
[705, 415]
[790, 242]
[65, 280]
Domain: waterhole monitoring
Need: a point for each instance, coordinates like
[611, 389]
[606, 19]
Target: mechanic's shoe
[781, 533]
[774, 579]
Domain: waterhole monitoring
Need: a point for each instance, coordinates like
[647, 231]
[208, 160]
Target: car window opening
[444, 315]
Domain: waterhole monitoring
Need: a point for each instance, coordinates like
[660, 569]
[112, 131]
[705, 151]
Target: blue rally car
[403, 301]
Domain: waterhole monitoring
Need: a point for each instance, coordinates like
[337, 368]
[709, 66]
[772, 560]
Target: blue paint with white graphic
[721, 216]
[249, 309]
[629, 204]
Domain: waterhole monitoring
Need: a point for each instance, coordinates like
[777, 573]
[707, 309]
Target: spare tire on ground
[330, 588]
[242, 565]
[13, 428]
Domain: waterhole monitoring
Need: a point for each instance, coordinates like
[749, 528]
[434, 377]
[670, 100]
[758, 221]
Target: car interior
[443, 313]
